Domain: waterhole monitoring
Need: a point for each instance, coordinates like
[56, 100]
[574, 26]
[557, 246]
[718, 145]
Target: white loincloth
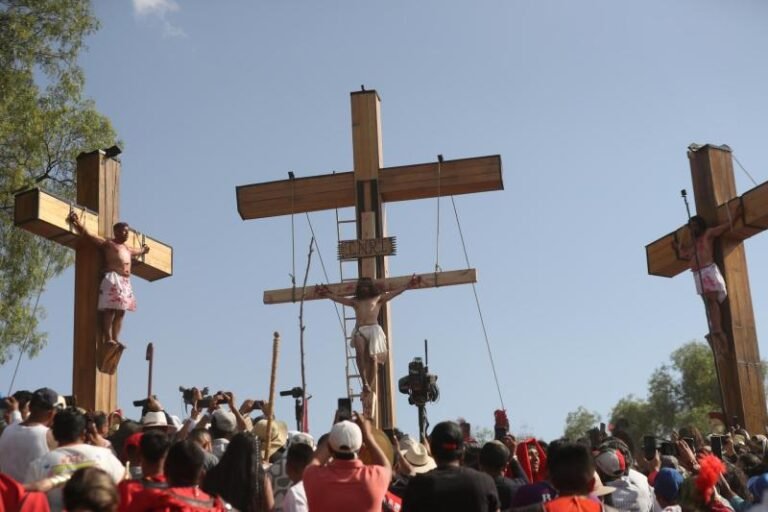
[116, 292]
[712, 280]
[375, 340]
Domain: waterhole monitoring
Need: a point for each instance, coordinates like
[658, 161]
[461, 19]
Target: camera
[143, 402]
[188, 394]
[419, 384]
[296, 392]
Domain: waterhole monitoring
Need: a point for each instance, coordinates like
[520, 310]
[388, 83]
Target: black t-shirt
[451, 489]
[506, 488]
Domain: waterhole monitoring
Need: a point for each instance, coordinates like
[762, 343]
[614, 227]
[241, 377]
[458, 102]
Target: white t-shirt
[19, 446]
[295, 499]
[68, 459]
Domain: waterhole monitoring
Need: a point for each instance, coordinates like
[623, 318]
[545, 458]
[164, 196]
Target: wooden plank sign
[367, 248]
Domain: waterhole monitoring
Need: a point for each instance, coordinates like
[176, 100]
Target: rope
[29, 333]
[743, 169]
[479, 310]
[437, 231]
[322, 265]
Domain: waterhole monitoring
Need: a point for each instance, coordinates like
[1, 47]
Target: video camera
[188, 395]
[419, 384]
[296, 392]
[143, 402]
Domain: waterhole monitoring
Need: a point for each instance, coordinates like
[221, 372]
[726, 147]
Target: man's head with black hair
[68, 426]
[202, 437]
[184, 464]
[298, 457]
[154, 446]
[494, 457]
[571, 469]
[100, 422]
[23, 397]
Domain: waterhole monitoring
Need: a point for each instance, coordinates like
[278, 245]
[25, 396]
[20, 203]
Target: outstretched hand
[322, 290]
[73, 218]
[415, 281]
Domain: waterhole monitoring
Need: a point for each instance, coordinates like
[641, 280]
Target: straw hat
[418, 458]
[279, 433]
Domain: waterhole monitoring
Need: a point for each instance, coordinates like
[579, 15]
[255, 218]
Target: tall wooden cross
[739, 367]
[98, 187]
[367, 188]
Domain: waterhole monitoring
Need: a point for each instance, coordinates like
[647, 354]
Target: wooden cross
[367, 188]
[98, 187]
[739, 367]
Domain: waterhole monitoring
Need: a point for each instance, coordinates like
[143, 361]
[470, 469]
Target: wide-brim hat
[279, 433]
[418, 458]
[155, 419]
[598, 489]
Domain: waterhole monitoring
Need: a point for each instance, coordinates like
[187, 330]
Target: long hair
[239, 475]
[366, 288]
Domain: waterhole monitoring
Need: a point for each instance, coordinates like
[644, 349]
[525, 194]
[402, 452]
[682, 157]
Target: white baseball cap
[345, 437]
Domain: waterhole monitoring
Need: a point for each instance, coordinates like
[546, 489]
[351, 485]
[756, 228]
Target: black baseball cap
[46, 398]
[447, 440]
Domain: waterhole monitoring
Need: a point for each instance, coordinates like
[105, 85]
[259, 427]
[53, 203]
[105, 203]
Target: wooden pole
[151, 359]
[272, 380]
[301, 336]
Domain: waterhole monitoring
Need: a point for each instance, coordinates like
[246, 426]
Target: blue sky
[591, 106]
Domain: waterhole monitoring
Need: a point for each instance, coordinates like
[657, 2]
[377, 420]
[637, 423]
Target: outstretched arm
[135, 253]
[323, 291]
[414, 281]
[80, 229]
[725, 226]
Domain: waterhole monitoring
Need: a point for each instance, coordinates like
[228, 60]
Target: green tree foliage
[679, 394]
[45, 122]
[578, 422]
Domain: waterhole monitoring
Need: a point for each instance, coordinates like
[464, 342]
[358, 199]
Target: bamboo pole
[272, 379]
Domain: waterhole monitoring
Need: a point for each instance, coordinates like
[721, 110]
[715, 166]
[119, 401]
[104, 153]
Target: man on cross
[368, 338]
[707, 277]
[115, 293]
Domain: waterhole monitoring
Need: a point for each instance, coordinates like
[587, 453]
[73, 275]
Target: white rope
[479, 310]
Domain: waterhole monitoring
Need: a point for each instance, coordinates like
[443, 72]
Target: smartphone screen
[344, 409]
[649, 447]
[717, 446]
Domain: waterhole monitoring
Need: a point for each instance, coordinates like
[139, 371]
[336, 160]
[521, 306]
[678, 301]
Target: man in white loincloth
[707, 277]
[115, 293]
[368, 338]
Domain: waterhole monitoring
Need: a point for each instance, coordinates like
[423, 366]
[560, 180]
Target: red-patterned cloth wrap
[116, 293]
[712, 280]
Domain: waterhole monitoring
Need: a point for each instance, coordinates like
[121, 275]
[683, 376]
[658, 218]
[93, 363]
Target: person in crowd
[17, 407]
[613, 470]
[450, 487]
[132, 455]
[21, 443]
[278, 451]
[90, 489]
[97, 429]
[494, 459]
[153, 449]
[297, 459]
[72, 453]
[667, 486]
[336, 480]
[571, 472]
[239, 477]
[532, 459]
[203, 439]
[183, 472]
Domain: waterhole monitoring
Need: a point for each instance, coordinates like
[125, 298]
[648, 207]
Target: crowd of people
[58, 457]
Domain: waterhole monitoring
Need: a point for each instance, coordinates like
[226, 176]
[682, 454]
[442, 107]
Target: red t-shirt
[346, 485]
[128, 489]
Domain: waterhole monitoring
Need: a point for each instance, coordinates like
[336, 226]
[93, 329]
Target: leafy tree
[698, 378]
[578, 422]
[636, 414]
[44, 124]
